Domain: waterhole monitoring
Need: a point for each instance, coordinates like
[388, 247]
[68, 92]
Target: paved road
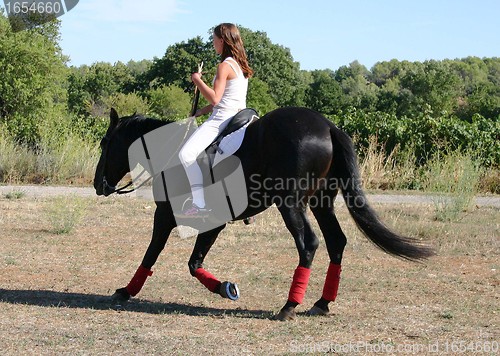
[45, 191]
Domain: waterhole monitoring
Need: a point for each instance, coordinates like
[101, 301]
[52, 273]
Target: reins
[122, 190]
[190, 119]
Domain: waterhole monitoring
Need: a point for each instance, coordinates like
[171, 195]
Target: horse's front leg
[204, 242]
[164, 222]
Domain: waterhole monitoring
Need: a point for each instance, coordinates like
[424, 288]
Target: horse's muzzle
[104, 188]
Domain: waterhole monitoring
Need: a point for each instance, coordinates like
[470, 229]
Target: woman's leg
[193, 147]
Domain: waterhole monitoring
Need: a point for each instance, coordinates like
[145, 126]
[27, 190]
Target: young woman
[226, 97]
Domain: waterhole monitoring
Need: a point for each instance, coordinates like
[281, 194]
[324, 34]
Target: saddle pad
[230, 144]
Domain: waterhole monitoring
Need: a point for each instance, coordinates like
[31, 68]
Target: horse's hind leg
[204, 242]
[335, 243]
[307, 243]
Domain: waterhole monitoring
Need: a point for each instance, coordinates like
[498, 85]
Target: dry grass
[54, 288]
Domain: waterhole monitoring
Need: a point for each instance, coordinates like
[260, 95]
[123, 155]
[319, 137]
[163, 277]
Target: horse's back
[287, 141]
[294, 128]
[300, 119]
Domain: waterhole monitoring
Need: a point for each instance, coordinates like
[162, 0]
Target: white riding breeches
[196, 144]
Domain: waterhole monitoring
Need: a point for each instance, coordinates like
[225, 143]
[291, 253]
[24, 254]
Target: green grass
[15, 194]
[64, 213]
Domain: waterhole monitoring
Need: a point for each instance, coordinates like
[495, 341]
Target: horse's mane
[140, 123]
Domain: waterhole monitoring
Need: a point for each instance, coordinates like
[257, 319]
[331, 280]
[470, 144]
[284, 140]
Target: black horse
[292, 157]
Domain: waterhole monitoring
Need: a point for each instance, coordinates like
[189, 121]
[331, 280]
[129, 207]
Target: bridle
[107, 138]
[122, 190]
[109, 189]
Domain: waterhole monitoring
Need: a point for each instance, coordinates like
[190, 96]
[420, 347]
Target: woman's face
[218, 44]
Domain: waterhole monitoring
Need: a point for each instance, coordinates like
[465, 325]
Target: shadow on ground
[54, 299]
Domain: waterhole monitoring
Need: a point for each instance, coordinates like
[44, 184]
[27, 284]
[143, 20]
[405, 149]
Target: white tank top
[235, 93]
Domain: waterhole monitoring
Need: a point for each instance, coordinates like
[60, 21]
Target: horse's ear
[113, 116]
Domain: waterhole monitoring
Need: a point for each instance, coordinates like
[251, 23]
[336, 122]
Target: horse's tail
[345, 169]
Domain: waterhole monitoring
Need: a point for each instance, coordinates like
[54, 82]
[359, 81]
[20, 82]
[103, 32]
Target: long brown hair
[233, 46]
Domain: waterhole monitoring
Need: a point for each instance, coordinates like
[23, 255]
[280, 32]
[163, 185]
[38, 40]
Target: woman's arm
[214, 95]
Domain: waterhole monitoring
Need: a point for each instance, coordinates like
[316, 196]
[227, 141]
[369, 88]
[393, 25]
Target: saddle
[238, 121]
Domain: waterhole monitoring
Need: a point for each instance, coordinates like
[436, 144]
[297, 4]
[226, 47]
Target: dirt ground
[55, 284]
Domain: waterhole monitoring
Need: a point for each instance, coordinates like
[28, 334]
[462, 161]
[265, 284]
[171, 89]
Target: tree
[169, 102]
[274, 65]
[392, 97]
[324, 93]
[138, 70]
[33, 73]
[125, 104]
[480, 83]
[258, 96]
[88, 86]
[434, 84]
[179, 61]
[358, 91]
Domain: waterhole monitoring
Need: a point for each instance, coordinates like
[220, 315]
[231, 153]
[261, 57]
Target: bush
[169, 102]
[395, 170]
[16, 160]
[125, 105]
[428, 135]
[61, 155]
[454, 180]
[65, 212]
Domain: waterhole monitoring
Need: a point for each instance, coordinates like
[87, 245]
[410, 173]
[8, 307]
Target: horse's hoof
[285, 315]
[229, 290]
[120, 297]
[317, 311]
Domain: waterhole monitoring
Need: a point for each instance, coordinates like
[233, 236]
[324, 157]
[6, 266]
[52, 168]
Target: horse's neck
[154, 144]
[150, 125]
[138, 128]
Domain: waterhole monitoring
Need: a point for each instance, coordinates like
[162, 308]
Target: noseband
[108, 189]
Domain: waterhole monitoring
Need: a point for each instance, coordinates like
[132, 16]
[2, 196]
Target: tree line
[430, 106]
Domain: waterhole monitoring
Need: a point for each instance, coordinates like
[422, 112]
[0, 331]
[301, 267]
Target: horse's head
[113, 163]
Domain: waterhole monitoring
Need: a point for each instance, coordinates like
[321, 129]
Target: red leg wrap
[207, 279]
[332, 282]
[138, 280]
[299, 284]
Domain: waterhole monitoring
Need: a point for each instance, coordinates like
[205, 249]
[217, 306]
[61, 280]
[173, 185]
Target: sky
[321, 34]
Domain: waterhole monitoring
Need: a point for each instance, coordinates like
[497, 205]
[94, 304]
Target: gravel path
[46, 191]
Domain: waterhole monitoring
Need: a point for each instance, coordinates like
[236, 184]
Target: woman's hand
[203, 111]
[196, 77]
[214, 95]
